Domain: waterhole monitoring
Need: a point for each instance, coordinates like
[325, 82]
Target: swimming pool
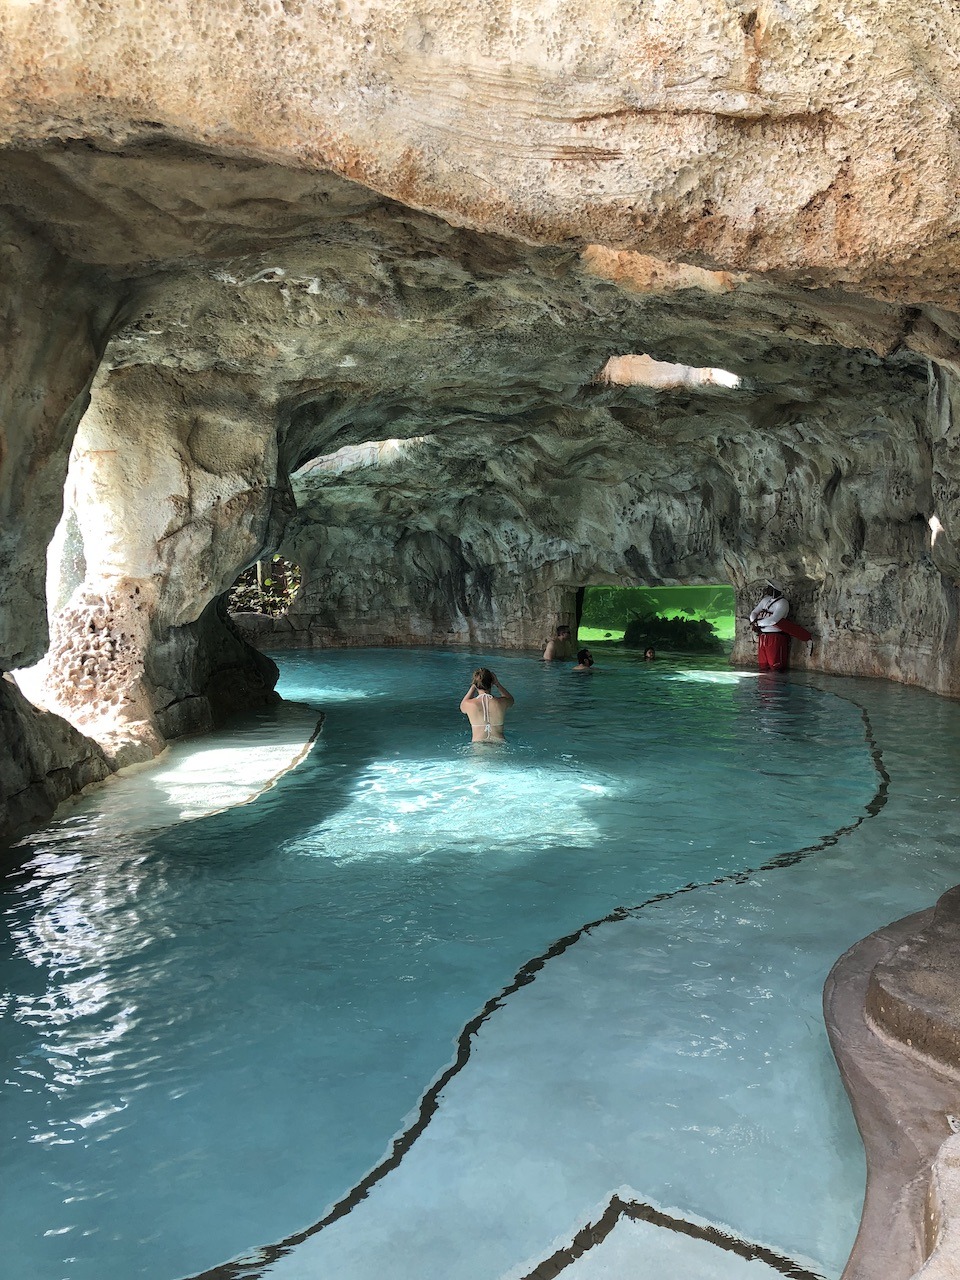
[369, 1000]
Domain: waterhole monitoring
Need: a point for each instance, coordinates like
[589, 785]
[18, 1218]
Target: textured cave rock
[290, 234]
[815, 142]
[173, 489]
[609, 493]
[45, 760]
[526, 476]
[54, 320]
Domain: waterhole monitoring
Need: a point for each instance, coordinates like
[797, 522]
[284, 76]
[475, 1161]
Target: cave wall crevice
[55, 320]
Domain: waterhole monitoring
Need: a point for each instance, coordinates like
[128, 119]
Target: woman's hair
[483, 679]
[584, 656]
[649, 649]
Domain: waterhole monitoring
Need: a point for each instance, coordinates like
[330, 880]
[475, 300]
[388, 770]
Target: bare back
[559, 649]
[486, 713]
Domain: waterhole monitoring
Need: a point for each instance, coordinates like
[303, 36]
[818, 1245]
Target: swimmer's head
[483, 679]
[585, 658]
[649, 654]
[562, 631]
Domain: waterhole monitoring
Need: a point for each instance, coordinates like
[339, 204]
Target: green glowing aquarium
[693, 619]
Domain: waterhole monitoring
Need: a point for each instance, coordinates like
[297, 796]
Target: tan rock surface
[815, 141]
[913, 992]
[44, 761]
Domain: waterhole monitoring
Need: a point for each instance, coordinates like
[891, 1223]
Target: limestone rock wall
[55, 318]
[44, 761]
[836, 503]
[159, 526]
[809, 141]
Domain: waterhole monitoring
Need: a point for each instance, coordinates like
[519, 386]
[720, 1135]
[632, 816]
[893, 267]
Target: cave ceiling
[352, 318]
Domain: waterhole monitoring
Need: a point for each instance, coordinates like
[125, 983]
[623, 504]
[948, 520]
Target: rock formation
[245, 249]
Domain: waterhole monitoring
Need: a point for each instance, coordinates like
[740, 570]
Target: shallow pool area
[425, 1009]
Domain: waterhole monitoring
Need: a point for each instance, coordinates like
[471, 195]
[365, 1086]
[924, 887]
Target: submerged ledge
[196, 777]
[890, 993]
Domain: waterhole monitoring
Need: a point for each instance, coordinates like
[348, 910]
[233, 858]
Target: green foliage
[694, 619]
[692, 635]
[266, 587]
[611, 608]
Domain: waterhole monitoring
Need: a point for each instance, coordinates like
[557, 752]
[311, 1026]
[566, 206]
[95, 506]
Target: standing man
[560, 647]
[773, 648]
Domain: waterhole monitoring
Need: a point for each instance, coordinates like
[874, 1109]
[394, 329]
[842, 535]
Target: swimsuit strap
[485, 702]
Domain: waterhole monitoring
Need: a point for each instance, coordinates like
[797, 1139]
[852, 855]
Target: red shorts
[773, 651]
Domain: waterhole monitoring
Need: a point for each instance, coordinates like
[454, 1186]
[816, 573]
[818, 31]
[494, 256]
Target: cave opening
[268, 587]
[669, 617]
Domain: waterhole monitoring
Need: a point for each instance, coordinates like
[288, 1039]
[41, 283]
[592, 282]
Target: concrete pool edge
[904, 1102]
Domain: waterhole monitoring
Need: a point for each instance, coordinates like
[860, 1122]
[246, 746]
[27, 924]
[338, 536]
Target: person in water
[557, 649]
[584, 660]
[484, 709]
[650, 654]
[773, 648]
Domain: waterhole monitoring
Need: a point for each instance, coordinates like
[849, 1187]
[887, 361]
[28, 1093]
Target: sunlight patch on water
[715, 677]
[328, 695]
[456, 802]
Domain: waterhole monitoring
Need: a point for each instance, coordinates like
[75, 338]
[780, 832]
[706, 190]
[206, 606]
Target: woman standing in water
[483, 708]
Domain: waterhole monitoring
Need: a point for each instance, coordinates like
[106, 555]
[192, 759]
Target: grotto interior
[423, 417]
[461, 313]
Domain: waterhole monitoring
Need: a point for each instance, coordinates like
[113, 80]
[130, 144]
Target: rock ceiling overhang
[352, 223]
[341, 317]
[814, 143]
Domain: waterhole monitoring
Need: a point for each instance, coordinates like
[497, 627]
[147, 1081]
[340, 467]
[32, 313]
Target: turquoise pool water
[213, 1032]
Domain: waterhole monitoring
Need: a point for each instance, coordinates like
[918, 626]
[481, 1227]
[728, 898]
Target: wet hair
[561, 627]
[584, 657]
[650, 650]
[483, 679]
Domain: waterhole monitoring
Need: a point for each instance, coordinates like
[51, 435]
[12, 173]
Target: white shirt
[769, 612]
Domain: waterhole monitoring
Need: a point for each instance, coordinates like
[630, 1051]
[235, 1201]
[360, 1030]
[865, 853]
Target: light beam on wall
[372, 453]
[661, 375]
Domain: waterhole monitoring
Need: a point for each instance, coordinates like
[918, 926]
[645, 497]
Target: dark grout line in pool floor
[594, 1233]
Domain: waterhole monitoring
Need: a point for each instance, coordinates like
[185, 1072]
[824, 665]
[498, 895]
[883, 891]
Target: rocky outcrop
[816, 143]
[890, 1006]
[912, 991]
[54, 323]
[155, 529]
[45, 760]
